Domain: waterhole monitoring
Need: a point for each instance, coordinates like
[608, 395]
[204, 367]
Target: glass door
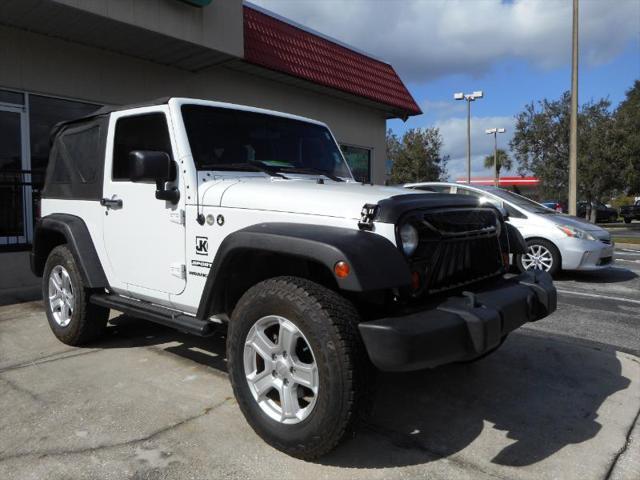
[16, 213]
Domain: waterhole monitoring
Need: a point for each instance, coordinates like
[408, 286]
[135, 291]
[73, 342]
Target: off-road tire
[329, 323]
[555, 254]
[88, 321]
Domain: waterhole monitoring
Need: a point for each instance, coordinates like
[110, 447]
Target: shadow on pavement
[543, 393]
[610, 275]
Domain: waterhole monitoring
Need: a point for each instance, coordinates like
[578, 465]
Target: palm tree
[504, 161]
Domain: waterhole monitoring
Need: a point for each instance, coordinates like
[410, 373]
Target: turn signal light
[342, 269]
[415, 281]
[505, 259]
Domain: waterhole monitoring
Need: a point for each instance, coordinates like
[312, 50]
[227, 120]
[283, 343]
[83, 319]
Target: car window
[439, 188]
[140, 132]
[464, 191]
[513, 213]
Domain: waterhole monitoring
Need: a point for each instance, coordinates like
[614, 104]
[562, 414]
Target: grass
[634, 240]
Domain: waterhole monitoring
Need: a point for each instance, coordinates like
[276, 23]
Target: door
[15, 189]
[143, 236]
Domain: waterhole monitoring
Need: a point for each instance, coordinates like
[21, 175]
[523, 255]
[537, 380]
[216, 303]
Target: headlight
[409, 239]
[575, 232]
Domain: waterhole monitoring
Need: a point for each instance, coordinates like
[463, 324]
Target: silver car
[555, 241]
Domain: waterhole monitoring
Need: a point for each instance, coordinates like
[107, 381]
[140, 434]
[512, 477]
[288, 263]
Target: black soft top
[106, 110]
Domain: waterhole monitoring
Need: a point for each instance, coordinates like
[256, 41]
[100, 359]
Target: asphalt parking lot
[559, 400]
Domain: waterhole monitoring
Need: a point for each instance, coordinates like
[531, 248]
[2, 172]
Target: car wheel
[541, 255]
[627, 219]
[296, 364]
[73, 320]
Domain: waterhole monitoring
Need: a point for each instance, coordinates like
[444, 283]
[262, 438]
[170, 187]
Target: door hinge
[177, 216]
[178, 270]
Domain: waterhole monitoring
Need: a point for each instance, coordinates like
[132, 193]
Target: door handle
[111, 202]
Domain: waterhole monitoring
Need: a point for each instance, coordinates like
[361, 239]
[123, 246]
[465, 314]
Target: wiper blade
[245, 167]
[312, 171]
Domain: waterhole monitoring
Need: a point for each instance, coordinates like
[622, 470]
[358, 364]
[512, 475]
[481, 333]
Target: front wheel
[541, 255]
[295, 364]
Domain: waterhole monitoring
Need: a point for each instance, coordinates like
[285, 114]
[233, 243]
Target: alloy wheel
[61, 295]
[538, 257]
[280, 369]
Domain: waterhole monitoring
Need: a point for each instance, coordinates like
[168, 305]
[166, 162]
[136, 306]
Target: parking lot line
[595, 295]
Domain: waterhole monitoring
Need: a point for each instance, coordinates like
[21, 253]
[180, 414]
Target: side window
[513, 213]
[141, 132]
[440, 188]
[464, 191]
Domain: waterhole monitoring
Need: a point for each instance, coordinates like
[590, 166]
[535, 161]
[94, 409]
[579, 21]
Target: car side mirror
[154, 166]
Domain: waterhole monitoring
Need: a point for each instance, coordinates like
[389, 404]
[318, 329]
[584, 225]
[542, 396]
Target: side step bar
[155, 313]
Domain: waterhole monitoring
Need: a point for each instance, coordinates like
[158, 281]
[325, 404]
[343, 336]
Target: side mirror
[149, 165]
[154, 166]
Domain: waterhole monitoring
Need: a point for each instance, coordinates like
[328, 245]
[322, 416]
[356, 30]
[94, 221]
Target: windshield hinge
[177, 216]
[367, 215]
[178, 270]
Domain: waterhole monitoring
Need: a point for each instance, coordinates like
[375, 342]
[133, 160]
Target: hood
[581, 223]
[332, 199]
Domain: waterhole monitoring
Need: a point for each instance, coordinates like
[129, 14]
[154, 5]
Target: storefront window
[44, 113]
[359, 160]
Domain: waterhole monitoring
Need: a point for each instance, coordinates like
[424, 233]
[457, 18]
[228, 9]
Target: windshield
[519, 200]
[227, 139]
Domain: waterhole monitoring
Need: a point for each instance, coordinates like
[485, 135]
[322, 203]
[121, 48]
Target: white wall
[41, 64]
[218, 26]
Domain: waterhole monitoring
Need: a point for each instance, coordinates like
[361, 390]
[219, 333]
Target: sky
[515, 51]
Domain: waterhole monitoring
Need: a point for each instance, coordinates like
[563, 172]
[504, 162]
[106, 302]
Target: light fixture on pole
[469, 97]
[495, 132]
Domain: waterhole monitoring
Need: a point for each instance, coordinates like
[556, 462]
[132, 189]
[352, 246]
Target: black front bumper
[461, 328]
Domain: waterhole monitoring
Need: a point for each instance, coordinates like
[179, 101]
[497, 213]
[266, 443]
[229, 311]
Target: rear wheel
[295, 363]
[541, 255]
[73, 320]
[627, 219]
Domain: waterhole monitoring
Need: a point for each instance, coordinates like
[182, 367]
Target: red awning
[277, 45]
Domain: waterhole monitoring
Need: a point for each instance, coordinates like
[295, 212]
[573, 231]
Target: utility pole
[573, 135]
[495, 132]
[469, 97]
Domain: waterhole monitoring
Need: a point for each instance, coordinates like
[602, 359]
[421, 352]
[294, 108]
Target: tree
[504, 161]
[627, 138]
[541, 146]
[417, 157]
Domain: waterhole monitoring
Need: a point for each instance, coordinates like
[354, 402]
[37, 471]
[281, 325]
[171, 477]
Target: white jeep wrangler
[190, 213]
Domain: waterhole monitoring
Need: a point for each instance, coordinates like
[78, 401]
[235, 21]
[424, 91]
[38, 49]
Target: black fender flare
[78, 240]
[517, 243]
[375, 262]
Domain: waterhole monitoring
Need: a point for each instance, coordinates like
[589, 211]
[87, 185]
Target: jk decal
[202, 245]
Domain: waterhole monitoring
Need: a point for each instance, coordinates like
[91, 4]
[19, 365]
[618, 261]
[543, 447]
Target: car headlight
[408, 238]
[575, 232]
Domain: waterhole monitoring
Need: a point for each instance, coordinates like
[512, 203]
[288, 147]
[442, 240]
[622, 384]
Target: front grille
[456, 247]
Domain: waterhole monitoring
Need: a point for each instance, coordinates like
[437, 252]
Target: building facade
[65, 58]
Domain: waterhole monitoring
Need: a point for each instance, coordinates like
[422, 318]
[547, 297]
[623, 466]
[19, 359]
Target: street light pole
[495, 132]
[469, 97]
[573, 135]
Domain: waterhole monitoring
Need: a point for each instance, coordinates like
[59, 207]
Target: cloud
[442, 108]
[424, 40]
[454, 135]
